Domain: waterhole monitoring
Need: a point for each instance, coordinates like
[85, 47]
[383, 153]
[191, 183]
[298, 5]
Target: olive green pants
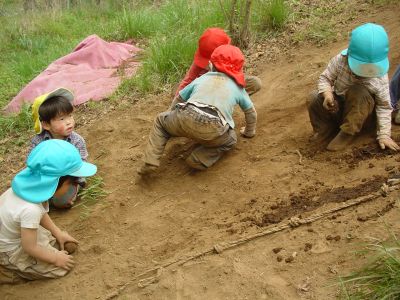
[355, 111]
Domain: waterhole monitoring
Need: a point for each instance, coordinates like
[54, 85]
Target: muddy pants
[17, 263]
[204, 127]
[355, 110]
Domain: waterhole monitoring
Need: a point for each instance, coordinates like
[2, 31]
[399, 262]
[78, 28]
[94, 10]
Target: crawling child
[203, 113]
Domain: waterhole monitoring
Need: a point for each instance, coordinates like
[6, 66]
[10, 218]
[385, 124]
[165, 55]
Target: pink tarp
[90, 72]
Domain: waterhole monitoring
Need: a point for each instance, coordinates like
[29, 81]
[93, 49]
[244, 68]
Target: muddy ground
[263, 181]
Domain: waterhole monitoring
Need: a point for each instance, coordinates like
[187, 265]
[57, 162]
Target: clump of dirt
[335, 238]
[307, 247]
[310, 198]
[377, 214]
[357, 154]
[367, 152]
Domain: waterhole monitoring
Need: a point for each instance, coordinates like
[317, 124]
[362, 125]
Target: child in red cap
[208, 42]
[203, 112]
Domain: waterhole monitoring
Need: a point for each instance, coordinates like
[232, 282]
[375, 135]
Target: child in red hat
[208, 42]
[203, 112]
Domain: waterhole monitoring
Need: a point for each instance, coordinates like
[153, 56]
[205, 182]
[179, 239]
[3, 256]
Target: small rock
[332, 269]
[279, 258]
[362, 218]
[289, 259]
[307, 247]
[277, 250]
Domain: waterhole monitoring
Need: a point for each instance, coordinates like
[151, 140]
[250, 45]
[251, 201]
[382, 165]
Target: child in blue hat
[29, 240]
[352, 87]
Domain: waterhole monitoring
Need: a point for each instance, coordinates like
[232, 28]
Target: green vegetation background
[167, 30]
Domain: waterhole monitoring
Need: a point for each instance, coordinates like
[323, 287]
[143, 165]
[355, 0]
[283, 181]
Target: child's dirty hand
[63, 260]
[64, 237]
[246, 134]
[330, 104]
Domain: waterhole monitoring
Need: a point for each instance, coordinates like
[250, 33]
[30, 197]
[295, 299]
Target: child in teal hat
[353, 86]
[31, 245]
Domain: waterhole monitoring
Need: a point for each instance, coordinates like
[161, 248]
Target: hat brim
[35, 188]
[369, 70]
[238, 77]
[86, 170]
[200, 60]
[62, 92]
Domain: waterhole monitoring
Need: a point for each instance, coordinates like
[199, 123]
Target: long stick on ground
[220, 247]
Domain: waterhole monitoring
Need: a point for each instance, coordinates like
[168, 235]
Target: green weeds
[379, 278]
[274, 15]
[91, 194]
[139, 24]
[19, 123]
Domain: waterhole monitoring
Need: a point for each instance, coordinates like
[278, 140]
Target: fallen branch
[220, 247]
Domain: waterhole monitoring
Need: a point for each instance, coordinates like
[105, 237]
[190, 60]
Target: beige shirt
[338, 77]
[14, 214]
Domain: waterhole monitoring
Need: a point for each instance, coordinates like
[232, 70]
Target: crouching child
[31, 245]
[203, 112]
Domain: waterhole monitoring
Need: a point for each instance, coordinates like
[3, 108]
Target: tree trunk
[239, 22]
[245, 30]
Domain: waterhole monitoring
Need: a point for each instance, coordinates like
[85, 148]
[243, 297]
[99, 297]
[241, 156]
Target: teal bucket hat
[47, 162]
[368, 51]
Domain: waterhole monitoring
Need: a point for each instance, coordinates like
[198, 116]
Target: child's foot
[194, 163]
[340, 142]
[146, 169]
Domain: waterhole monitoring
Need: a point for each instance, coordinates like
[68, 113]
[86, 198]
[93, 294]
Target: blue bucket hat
[368, 51]
[47, 162]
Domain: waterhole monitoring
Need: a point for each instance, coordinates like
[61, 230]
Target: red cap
[209, 40]
[229, 59]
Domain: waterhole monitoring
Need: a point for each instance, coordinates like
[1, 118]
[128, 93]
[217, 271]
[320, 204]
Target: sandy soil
[178, 212]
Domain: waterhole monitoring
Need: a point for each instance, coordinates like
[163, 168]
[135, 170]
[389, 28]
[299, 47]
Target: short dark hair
[53, 107]
[64, 179]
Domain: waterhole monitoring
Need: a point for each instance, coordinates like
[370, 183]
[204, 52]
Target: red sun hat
[209, 40]
[229, 59]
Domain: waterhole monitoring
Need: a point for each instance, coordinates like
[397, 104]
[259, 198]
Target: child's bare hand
[64, 237]
[330, 104]
[63, 260]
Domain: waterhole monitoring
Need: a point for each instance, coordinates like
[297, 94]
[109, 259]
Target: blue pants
[395, 89]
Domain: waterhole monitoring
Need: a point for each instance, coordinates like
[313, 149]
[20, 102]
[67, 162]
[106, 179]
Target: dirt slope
[259, 183]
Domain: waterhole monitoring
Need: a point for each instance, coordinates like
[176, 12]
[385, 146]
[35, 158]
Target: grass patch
[379, 278]
[274, 15]
[90, 195]
[139, 24]
[21, 123]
